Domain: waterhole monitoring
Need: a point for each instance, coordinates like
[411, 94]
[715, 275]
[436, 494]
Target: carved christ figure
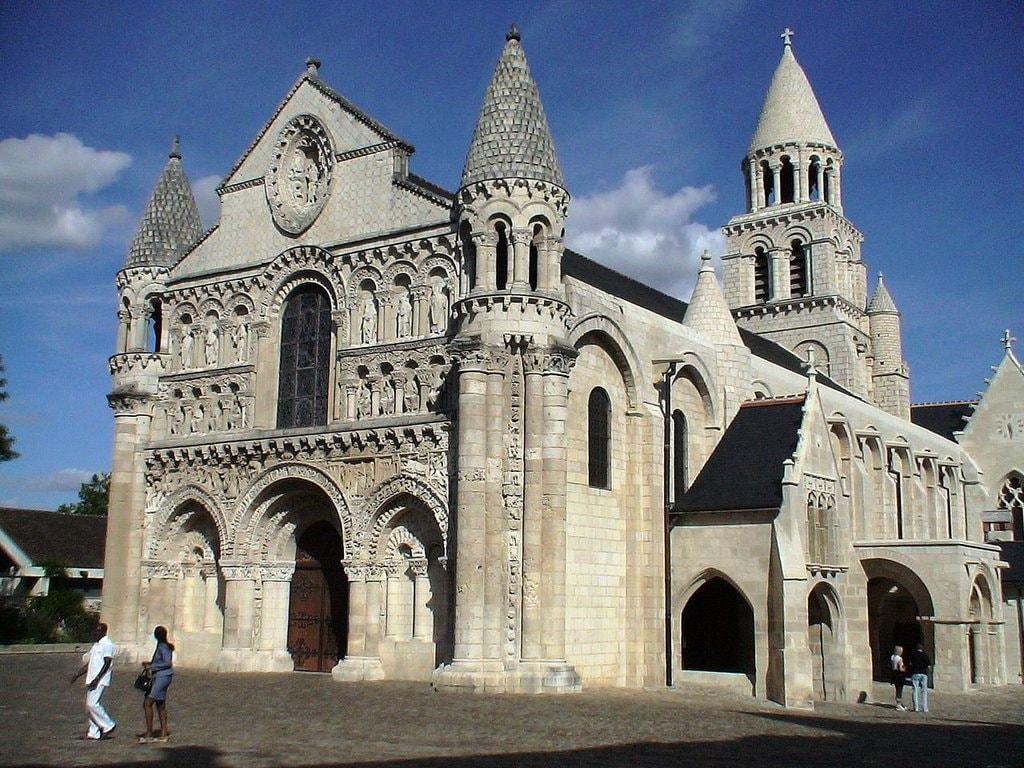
[437, 311]
[239, 341]
[368, 322]
[211, 344]
[403, 316]
[185, 349]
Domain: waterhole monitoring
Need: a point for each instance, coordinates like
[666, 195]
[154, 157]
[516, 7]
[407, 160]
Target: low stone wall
[45, 648]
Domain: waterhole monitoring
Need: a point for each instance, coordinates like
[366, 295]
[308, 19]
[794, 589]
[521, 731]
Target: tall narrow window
[762, 279]
[678, 453]
[1011, 498]
[768, 183]
[599, 437]
[797, 269]
[305, 359]
[813, 177]
[156, 325]
[786, 181]
[501, 259]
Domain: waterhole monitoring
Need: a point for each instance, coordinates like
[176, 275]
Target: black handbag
[144, 682]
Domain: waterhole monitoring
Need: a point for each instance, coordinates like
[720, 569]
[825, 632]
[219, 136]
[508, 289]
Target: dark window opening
[501, 260]
[768, 183]
[679, 453]
[599, 438]
[797, 269]
[718, 630]
[533, 265]
[787, 177]
[813, 175]
[762, 281]
[304, 375]
[156, 323]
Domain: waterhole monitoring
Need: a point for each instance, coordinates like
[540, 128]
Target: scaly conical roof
[512, 139]
[708, 312]
[170, 224]
[791, 112]
[881, 302]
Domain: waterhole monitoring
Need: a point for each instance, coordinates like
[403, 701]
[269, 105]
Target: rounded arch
[897, 597]
[288, 284]
[174, 512]
[609, 335]
[308, 260]
[391, 499]
[257, 503]
[396, 269]
[826, 641]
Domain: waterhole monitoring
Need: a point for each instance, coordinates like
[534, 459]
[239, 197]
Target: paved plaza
[257, 720]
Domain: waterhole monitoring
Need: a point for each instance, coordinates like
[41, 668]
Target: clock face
[1010, 426]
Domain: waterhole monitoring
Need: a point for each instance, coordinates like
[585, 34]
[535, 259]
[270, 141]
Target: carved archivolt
[298, 181]
[183, 506]
[394, 497]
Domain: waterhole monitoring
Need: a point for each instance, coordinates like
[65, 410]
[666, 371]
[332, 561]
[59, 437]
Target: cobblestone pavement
[307, 720]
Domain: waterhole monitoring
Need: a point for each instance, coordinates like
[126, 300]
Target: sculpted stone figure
[239, 341]
[387, 397]
[412, 394]
[211, 344]
[437, 311]
[368, 322]
[363, 402]
[403, 316]
[185, 347]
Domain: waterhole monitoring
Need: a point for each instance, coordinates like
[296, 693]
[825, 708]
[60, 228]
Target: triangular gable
[369, 131]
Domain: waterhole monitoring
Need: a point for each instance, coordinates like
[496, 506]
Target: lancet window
[303, 381]
[599, 438]
[762, 276]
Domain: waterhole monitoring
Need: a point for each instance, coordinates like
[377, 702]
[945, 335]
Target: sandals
[153, 739]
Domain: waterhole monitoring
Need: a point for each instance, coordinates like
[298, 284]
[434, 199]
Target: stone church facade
[371, 427]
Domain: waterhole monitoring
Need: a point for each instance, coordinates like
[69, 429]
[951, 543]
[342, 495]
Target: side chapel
[371, 427]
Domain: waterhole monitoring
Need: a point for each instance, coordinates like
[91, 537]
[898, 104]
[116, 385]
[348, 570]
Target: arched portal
[318, 601]
[828, 667]
[718, 630]
[894, 605]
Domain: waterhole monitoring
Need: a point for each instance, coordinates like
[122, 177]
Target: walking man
[919, 664]
[97, 677]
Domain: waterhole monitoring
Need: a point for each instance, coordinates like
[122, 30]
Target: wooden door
[318, 601]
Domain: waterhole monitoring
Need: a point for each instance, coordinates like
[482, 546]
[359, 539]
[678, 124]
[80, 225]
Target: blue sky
[651, 105]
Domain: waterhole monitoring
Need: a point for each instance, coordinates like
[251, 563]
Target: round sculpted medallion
[298, 180]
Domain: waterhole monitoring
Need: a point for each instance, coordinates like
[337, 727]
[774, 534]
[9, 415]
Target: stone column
[239, 618]
[362, 662]
[394, 599]
[123, 329]
[532, 645]
[122, 581]
[264, 412]
[273, 636]
[800, 181]
[494, 536]
[418, 296]
[758, 186]
[520, 274]
[779, 274]
[422, 618]
[213, 620]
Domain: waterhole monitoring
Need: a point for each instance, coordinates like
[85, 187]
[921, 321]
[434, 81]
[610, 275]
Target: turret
[890, 376]
[793, 270]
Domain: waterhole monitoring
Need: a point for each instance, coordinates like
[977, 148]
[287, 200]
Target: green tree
[7, 451]
[93, 497]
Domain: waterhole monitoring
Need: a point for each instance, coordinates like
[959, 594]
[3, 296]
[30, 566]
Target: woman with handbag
[161, 670]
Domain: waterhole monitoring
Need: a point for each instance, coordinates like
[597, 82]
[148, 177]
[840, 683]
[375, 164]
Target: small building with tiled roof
[32, 539]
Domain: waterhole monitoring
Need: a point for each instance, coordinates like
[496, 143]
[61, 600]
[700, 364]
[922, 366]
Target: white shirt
[101, 649]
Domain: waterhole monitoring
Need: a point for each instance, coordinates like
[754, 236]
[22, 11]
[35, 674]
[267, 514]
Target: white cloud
[41, 180]
[61, 480]
[642, 232]
[207, 199]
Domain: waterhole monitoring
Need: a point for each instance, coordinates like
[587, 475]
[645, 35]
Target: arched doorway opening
[828, 667]
[718, 630]
[318, 601]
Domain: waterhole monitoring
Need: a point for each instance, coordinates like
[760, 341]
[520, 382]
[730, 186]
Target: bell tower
[793, 268]
[513, 362]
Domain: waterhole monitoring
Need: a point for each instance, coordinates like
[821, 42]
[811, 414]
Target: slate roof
[881, 302]
[511, 138]
[170, 224]
[605, 279]
[943, 418]
[790, 112]
[77, 540]
[1013, 553]
[745, 470]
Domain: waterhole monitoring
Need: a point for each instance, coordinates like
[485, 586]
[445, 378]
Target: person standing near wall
[97, 671]
[919, 668]
[898, 671]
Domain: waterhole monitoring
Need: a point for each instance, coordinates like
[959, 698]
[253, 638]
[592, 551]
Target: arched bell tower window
[598, 437]
[762, 276]
[814, 179]
[468, 255]
[303, 381]
[501, 258]
[768, 183]
[538, 234]
[798, 269]
[786, 181]
[678, 453]
[156, 325]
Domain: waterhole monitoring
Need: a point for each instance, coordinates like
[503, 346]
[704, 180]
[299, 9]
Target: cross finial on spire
[176, 148]
[513, 33]
[787, 37]
[1008, 340]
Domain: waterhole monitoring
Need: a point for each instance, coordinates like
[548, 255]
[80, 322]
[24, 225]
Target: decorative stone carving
[298, 180]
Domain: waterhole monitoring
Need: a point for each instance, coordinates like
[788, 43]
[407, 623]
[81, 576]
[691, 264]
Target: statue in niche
[196, 418]
[437, 310]
[403, 316]
[185, 347]
[211, 344]
[411, 394]
[304, 174]
[363, 401]
[239, 341]
[368, 322]
[387, 397]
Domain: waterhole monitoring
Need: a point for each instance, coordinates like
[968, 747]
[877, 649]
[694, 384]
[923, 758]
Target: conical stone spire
[708, 313]
[881, 302]
[170, 224]
[790, 112]
[512, 139]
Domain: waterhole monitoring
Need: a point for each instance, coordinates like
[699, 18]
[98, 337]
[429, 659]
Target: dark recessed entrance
[318, 601]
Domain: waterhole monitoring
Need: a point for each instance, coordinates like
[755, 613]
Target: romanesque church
[375, 428]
